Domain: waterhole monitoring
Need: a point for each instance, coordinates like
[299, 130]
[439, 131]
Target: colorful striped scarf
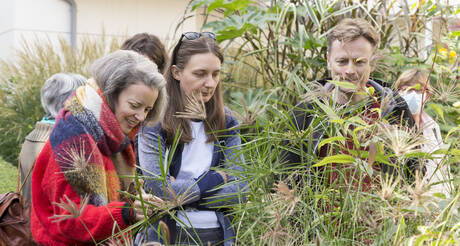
[85, 136]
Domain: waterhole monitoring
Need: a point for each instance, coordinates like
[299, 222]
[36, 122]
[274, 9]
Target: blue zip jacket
[201, 192]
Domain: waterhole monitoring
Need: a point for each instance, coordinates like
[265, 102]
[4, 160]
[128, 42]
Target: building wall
[32, 20]
[7, 16]
[127, 17]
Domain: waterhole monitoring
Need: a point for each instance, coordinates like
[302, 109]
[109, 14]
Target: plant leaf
[340, 158]
[343, 84]
[331, 140]
[438, 110]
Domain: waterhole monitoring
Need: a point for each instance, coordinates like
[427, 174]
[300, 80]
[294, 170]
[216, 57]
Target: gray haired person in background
[53, 95]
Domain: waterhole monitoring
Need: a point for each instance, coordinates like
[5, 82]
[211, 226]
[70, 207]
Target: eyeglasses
[190, 36]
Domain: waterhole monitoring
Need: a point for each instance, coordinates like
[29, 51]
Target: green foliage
[278, 38]
[273, 50]
[8, 176]
[286, 37]
[305, 209]
[21, 81]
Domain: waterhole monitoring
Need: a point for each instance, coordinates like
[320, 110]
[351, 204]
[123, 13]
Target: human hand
[151, 203]
[224, 176]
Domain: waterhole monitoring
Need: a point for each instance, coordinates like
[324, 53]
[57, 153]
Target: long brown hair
[215, 112]
[150, 46]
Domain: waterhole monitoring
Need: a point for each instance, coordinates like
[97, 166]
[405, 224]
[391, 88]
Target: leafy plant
[21, 82]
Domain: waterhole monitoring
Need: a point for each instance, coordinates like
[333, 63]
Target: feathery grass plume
[182, 199]
[315, 90]
[281, 205]
[74, 210]
[387, 102]
[78, 170]
[74, 157]
[446, 92]
[400, 139]
[247, 118]
[164, 205]
[419, 194]
[68, 205]
[277, 235]
[284, 199]
[388, 184]
[128, 241]
[194, 107]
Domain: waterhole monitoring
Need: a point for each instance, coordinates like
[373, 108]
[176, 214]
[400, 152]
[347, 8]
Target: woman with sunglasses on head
[206, 140]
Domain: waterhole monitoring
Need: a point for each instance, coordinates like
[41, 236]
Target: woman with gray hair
[56, 90]
[89, 157]
[53, 94]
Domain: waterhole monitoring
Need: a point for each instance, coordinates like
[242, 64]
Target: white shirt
[435, 170]
[196, 159]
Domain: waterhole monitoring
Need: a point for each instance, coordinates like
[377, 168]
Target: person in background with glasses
[207, 140]
[414, 86]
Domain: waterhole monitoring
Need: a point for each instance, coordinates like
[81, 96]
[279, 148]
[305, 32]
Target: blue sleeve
[208, 181]
[234, 191]
[153, 156]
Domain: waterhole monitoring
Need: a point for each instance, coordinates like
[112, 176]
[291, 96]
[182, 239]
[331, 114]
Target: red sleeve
[49, 187]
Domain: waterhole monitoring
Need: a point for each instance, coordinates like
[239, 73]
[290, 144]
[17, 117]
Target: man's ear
[327, 60]
[373, 62]
[176, 73]
[372, 68]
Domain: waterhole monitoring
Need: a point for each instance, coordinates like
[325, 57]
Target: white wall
[123, 18]
[31, 20]
[7, 16]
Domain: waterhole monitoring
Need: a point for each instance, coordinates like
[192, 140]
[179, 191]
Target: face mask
[414, 101]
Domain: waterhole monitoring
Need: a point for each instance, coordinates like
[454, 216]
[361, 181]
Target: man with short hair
[351, 47]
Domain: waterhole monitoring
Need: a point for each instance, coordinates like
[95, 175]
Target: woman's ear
[176, 73]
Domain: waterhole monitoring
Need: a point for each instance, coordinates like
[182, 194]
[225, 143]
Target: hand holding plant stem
[146, 205]
[224, 175]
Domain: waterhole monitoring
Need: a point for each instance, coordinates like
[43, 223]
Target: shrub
[21, 81]
[284, 42]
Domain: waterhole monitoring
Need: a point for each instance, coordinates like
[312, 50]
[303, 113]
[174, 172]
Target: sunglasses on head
[190, 36]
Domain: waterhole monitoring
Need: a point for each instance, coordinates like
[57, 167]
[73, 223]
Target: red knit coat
[76, 163]
[99, 220]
